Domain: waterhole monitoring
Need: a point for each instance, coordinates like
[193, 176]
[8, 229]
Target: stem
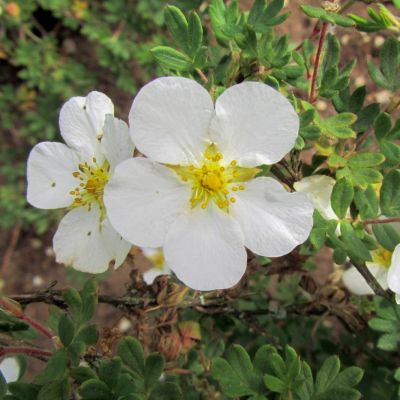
[202, 75]
[371, 280]
[314, 33]
[324, 28]
[25, 350]
[15, 310]
[381, 221]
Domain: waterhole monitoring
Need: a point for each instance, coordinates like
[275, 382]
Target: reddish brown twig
[314, 33]
[24, 350]
[322, 35]
[14, 309]
[381, 221]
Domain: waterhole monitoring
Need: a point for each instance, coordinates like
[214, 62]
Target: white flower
[160, 267]
[319, 189]
[74, 177]
[385, 267]
[10, 369]
[195, 195]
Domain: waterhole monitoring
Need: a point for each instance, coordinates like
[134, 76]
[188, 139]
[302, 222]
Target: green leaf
[22, 390]
[387, 235]
[74, 302]
[377, 76]
[55, 368]
[195, 33]
[365, 160]
[170, 58]
[178, 26]
[131, 353]
[327, 374]
[390, 61]
[153, 369]
[66, 330]
[89, 299]
[384, 325]
[342, 196]
[230, 381]
[367, 202]
[389, 342]
[274, 384]
[82, 374]
[349, 377]
[391, 151]
[240, 361]
[354, 245]
[341, 20]
[382, 125]
[166, 391]
[94, 389]
[313, 12]
[88, 335]
[60, 390]
[341, 393]
[109, 372]
[338, 126]
[390, 194]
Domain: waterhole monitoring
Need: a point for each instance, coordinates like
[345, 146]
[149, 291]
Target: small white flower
[385, 267]
[319, 189]
[195, 195]
[160, 267]
[10, 369]
[74, 177]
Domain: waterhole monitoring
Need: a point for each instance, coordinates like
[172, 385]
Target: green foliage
[387, 323]
[288, 376]
[384, 19]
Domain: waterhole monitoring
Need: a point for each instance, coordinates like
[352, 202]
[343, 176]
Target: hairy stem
[25, 350]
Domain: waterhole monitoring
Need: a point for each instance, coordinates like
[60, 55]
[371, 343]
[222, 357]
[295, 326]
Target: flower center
[92, 180]
[214, 180]
[157, 259]
[382, 257]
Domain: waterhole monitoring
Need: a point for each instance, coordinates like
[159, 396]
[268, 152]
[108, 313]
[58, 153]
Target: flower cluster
[194, 192]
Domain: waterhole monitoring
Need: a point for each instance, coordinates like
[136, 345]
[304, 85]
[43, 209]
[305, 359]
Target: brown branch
[381, 221]
[25, 350]
[371, 280]
[202, 75]
[322, 35]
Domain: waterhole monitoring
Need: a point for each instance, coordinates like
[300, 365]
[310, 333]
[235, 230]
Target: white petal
[49, 175]
[81, 122]
[273, 221]
[254, 124]
[116, 143]
[10, 369]
[85, 243]
[152, 274]
[319, 189]
[169, 120]
[205, 249]
[142, 199]
[356, 283]
[393, 277]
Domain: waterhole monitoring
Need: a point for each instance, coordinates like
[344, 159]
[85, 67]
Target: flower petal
[169, 120]
[356, 283]
[254, 124]
[205, 249]
[393, 276]
[81, 122]
[49, 175]
[273, 221]
[85, 243]
[142, 199]
[116, 143]
[10, 369]
[319, 190]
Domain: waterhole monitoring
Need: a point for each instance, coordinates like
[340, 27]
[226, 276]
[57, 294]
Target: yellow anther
[232, 199]
[233, 163]
[241, 187]
[235, 188]
[204, 206]
[222, 169]
[76, 174]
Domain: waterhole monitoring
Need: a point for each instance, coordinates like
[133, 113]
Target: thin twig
[322, 35]
[381, 221]
[371, 280]
[202, 75]
[25, 350]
